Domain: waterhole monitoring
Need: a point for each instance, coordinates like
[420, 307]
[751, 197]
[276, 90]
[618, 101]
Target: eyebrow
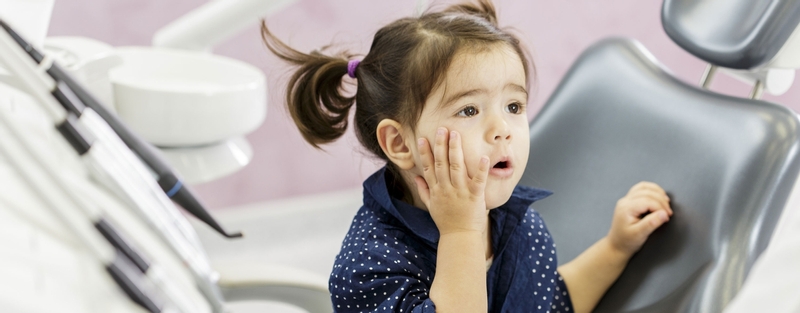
[460, 95]
[449, 100]
[518, 88]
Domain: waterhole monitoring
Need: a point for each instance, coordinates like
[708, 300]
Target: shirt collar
[419, 221]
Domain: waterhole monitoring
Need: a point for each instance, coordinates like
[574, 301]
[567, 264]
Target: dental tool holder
[110, 163]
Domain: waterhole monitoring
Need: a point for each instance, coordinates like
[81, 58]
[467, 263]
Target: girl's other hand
[454, 199]
[637, 215]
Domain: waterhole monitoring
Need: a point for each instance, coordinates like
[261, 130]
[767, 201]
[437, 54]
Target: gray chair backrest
[729, 164]
[740, 34]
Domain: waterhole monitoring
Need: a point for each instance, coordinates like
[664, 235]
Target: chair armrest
[242, 280]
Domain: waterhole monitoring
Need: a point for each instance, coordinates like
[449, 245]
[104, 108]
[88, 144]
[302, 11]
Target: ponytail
[314, 95]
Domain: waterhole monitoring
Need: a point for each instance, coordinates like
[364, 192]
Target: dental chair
[729, 164]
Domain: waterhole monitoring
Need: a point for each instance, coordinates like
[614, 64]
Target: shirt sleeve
[380, 276]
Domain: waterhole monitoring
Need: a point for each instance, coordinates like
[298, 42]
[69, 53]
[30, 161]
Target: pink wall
[283, 164]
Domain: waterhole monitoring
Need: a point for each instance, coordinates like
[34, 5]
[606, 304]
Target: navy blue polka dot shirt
[388, 257]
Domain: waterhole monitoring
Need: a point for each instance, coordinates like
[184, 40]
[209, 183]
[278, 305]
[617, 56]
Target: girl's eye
[514, 108]
[468, 111]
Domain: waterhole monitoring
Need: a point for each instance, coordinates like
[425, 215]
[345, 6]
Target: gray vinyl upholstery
[740, 34]
[618, 118]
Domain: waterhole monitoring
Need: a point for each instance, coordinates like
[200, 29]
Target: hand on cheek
[637, 215]
[455, 201]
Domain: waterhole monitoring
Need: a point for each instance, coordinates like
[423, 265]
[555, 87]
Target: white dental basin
[206, 163]
[176, 98]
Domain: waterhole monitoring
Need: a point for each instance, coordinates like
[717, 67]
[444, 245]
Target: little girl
[444, 226]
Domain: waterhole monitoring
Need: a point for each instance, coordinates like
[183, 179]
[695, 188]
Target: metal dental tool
[111, 163]
[41, 177]
[167, 179]
[77, 210]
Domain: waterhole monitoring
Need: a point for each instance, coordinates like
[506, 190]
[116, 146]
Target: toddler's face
[483, 97]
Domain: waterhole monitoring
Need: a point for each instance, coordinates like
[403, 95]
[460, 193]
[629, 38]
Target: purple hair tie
[351, 67]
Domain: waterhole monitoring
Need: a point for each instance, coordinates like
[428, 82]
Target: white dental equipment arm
[111, 163]
[213, 22]
[217, 20]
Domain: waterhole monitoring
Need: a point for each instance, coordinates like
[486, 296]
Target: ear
[394, 145]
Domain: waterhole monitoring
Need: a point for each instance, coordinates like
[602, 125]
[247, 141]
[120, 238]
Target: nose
[498, 129]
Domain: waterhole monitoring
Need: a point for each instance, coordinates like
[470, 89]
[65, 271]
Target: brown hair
[407, 60]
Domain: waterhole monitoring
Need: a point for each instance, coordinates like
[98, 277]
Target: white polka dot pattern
[378, 270]
[388, 257]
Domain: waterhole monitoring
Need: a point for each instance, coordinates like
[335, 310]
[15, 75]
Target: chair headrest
[738, 34]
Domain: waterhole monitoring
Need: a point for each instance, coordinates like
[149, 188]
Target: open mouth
[502, 169]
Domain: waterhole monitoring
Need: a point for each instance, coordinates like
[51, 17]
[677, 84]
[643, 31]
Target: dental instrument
[103, 163]
[93, 213]
[167, 179]
[118, 265]
[62, 203]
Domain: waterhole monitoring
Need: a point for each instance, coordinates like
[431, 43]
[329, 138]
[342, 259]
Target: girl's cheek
[467, 123]
[471, 156]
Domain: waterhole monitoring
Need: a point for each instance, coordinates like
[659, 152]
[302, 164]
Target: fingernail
[452, 135]
[420, 142]
[440, 132]
[484, 160]
[663, 216]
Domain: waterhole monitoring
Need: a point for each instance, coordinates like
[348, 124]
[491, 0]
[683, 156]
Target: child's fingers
[456, 155]
[479, 180]
[423, 190]
[441, 162]
[662, 199]
[636, 207]
[426, 157]
[651, 222]
[646, 185]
